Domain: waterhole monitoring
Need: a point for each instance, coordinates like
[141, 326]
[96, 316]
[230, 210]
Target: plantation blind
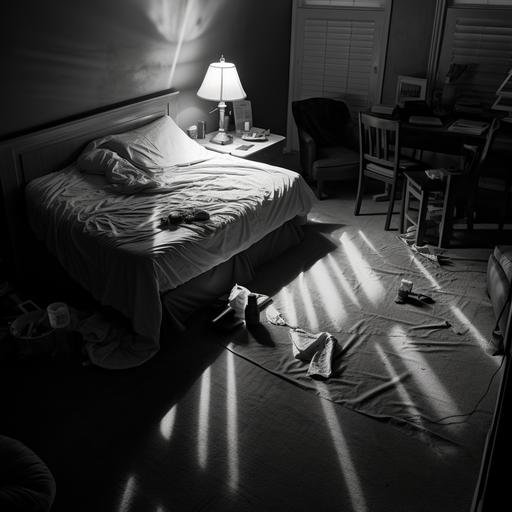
[481, 38]
[338, 51]
[338, 58]
[345, 3]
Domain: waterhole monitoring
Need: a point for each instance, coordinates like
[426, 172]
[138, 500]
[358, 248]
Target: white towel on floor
[317, 349]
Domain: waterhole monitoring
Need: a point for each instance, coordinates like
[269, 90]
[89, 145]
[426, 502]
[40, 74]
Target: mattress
[115, 246]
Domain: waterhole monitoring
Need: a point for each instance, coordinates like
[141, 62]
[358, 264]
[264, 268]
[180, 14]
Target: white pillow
[156, 146]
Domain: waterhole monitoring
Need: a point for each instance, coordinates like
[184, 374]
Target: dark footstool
[26, 483]
[499, 277]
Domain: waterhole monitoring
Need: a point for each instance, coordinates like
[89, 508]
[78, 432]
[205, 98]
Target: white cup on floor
[58, 315]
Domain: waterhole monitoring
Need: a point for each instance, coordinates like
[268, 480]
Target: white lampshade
[221, 83]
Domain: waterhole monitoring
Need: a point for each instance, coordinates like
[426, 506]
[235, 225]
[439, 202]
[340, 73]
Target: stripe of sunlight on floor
[204, 417]
[475, 333]
[425, 272]
[288, 306]
[167, 423]
[307, 302]
[370, 283]
[461, 317]
[348, 469]
[396, 379]
[428, 382]
[128, 494]
[368, 243]
[232, 423]
[331, 300]
[337, 273]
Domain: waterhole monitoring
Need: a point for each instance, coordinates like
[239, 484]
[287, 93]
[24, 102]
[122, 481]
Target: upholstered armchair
[327, 141]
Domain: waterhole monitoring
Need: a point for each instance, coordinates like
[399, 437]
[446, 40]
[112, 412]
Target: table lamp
[221, 83]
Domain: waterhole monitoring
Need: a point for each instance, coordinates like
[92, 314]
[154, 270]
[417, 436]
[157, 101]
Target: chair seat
[492, 183]
[418, 179]
[335, 163]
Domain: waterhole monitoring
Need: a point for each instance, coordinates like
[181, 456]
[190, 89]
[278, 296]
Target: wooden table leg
[445, 227]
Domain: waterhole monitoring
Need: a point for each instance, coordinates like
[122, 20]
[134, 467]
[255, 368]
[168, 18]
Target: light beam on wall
[345, 462]
[204, 416]
[182, 33]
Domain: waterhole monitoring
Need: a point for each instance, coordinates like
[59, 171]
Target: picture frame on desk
[409, 88]
[242, 112]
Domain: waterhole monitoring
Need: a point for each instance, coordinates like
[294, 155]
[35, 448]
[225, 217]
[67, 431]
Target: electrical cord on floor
[475, 408]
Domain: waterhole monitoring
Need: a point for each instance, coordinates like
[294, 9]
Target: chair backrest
[327, 120]
[379, 141]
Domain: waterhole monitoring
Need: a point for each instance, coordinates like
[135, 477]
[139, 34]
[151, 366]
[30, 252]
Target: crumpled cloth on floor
[317, 349]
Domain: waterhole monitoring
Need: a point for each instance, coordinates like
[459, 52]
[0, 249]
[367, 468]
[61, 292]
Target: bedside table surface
[240, 147]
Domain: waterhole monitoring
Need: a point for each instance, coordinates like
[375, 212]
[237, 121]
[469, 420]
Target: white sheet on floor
[113, 244]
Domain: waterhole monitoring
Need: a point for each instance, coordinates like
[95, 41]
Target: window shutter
[482, 40]
[337, 60]
[481, 2]
[375, 4]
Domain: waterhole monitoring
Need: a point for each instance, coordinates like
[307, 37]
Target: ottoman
[499, 277]
[26, 483]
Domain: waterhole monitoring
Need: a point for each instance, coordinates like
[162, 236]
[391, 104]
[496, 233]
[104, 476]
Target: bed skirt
[181, 302]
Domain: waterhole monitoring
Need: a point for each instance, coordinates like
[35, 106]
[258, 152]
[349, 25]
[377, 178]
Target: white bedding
[113, 245]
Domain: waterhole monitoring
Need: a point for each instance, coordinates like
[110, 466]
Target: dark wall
[408, 49]
[61, 58]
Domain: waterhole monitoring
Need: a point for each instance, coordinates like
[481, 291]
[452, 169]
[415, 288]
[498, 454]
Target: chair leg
[359, 195]
[422, 216]
[405, 202]
[390, 207]
[319, 188]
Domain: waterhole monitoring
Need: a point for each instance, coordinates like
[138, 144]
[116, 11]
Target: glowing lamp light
[221, 83]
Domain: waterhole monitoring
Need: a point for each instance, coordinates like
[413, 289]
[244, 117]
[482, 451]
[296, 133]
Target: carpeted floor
[201, 427]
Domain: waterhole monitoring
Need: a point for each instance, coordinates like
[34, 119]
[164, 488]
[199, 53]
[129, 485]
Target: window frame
[297, 8]
[438, 34]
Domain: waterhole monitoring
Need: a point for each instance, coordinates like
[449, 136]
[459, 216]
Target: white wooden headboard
[43, 151]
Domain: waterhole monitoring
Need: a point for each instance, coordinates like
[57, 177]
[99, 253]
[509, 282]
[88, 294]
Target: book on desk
[469, 126]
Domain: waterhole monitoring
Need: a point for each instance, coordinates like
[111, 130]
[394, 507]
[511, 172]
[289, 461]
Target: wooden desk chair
[422, 188]
[380, 158]
[419, 186]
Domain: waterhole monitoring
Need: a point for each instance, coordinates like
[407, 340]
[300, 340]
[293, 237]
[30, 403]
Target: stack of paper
[469, 126]
[425, 120]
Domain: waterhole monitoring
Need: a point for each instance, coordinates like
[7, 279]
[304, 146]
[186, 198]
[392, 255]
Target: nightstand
[267, 151]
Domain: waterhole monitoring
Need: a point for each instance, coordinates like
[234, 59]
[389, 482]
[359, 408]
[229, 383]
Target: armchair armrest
[308, 150]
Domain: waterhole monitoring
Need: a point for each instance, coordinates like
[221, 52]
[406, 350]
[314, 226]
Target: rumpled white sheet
[114, 247]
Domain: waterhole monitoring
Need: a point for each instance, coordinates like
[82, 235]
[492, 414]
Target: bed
[100, 192]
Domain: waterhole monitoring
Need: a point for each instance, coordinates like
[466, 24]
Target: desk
[437, 139]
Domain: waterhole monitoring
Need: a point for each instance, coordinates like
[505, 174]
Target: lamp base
[222, 138]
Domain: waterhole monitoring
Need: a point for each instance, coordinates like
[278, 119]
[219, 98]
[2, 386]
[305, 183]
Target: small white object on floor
[305, 344]
[321, 363]
[317, 349]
